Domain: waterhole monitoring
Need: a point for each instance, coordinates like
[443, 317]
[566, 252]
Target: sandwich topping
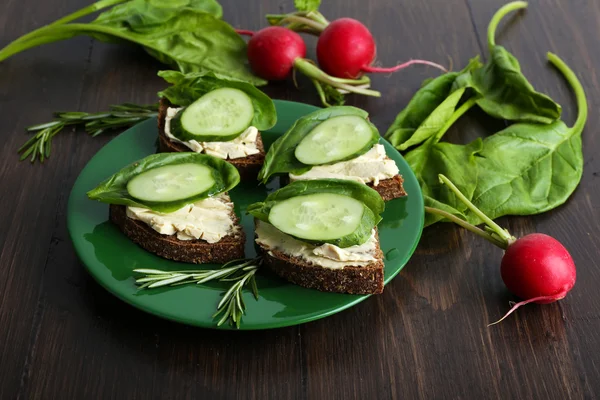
[182, 194]
[333, 143]
[209, 219]
[242, 146]
[373, 166]
[325, 255]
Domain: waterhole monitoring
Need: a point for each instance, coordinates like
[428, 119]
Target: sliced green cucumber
[318, 217]
[336, 139]
[220, 115]
[171, 182]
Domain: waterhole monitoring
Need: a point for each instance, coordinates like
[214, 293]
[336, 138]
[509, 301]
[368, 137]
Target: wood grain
[62, 336]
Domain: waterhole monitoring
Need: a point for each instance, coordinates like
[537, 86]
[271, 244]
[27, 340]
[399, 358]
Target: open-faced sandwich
[334, 143]
[222, 118]
[176, 206]
[322, 234]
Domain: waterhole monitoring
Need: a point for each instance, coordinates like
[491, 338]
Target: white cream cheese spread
[242, 146]
[373, 166]
[326, 255]
[209, 219]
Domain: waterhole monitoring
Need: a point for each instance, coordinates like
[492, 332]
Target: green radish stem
[313, 72]
[503, 234]
[500, 237]
[468, 226]
[316, 26]
[312, 22]
[491, 32]
[582, 106]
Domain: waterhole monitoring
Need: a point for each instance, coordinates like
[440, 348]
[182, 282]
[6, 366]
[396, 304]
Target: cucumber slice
[171, 182]
[318, 217]
[220, 115]
[336, 139]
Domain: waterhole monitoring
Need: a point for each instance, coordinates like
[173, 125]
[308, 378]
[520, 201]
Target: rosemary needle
[38, 147]
[231, 307]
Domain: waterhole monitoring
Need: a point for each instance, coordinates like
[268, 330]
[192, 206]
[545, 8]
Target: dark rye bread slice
[350, 279]
[389, 189]
[196, 251]
[248, 167]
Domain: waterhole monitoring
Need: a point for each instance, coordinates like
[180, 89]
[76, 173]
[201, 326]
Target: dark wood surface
[64, 337]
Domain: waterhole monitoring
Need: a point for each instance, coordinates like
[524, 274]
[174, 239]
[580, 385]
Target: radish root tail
[244, 32]
[398, 67]
[522, 303]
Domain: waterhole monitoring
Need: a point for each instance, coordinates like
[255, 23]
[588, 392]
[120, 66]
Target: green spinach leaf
[423, 104]
[186, 34]
[114, 189]
[374, 205]
[141, 14]
[506, 93]
[281, 159]
[435, 121]
[189, 87]
[192, 40]
[530, 168]
[457, 162]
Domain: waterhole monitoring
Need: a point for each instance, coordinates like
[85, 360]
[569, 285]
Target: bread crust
[389, 189]
[196, 251]
[350, 279]
[248, 167]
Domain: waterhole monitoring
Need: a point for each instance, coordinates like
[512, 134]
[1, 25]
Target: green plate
[110, 256]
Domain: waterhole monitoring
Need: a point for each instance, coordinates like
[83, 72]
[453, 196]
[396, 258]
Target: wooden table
[64, 337]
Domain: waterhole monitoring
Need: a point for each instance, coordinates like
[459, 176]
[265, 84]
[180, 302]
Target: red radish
[536, 267]
[346, 49]
[272, 52]
[275, 51]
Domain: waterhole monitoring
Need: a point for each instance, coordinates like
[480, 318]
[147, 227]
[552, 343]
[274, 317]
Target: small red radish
[346, 49]
[536, 267]
[272, 52]
[275, 51]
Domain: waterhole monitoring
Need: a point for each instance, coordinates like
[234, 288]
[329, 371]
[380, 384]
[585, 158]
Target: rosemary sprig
[231, 307]
[119, 116]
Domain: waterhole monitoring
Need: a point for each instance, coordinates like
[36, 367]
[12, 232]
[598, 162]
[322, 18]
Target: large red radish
[537, 268]
[346, 49]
